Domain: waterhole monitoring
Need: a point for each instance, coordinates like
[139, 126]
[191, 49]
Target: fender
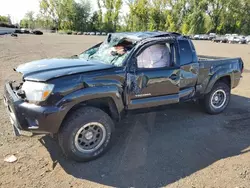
[86, 94]
[216, 76]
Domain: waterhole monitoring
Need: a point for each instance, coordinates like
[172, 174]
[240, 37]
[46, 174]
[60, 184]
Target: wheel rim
[90, 137]
[218, 99]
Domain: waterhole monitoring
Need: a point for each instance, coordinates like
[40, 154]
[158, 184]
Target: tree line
[5, 21]
[184, 16]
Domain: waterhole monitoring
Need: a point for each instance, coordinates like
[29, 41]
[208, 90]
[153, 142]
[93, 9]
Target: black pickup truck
[80, 98]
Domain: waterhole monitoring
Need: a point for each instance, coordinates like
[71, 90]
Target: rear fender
[215, 78]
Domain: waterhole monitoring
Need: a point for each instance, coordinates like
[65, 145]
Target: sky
[17, 8]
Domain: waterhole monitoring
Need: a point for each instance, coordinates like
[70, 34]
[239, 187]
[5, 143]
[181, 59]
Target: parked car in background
[69, 32]
[25, 31]
[18, 31]
[98, 33]
[212, 36]
[237, 40]
[92, 33]
[220, 39]
[37, 32]
[104, 33]
[248, 39]
[242, 40]
[232, 40]
[204, 37]
[196, 37]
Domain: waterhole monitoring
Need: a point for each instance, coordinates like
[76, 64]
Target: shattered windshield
[112, 51]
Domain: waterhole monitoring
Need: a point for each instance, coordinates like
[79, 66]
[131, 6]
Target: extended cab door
[151, 87]
[189, 68]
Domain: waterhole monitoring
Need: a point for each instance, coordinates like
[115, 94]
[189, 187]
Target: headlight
[37, 92]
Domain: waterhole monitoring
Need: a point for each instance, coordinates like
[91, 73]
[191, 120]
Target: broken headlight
[36, 91]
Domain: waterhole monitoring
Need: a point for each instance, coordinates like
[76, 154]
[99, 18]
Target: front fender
[86, 94]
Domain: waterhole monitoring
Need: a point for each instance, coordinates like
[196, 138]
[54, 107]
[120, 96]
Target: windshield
[112, 51]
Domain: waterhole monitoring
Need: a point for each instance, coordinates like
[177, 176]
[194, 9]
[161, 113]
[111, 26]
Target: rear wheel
[217, 99]
[86, 134]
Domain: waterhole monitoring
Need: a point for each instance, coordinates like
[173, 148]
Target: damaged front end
[25, 115]
[10, 99]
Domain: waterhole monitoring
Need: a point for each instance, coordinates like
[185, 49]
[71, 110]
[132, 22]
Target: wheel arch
[106, 104]
[107, 99]
[225, 78]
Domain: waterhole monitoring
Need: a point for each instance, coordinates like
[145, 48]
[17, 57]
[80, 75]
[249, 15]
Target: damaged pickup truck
[79, 99]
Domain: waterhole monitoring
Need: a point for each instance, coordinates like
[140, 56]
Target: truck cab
[150, 87]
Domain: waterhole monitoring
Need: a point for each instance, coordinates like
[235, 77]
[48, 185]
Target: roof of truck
[144, 35]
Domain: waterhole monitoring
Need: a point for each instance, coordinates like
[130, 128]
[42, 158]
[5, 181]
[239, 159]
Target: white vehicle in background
[233, 40]
[25, 31]
[248, 39]
[212, 36]
[235, 35]
[237, 40]
[197, 37]
[242, 40]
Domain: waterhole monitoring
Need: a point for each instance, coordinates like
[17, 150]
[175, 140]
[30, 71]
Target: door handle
[173, 77]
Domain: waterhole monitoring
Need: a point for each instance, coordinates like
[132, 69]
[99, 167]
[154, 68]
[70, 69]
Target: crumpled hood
[43, 70]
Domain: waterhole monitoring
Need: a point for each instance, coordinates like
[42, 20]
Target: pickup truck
[79, 99]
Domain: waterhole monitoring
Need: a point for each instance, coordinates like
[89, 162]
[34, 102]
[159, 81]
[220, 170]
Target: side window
[186, 55]
[155, 56]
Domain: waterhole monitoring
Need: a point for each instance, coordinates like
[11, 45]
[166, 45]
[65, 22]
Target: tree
[59, 11]
[155, 15]
[29, 16]
[94, 22]
[185, 16]
[215, 9]
[24, 23]
[100, 16]
[81, 15]
[4, 19]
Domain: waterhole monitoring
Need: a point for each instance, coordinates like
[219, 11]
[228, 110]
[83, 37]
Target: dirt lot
[179, 147]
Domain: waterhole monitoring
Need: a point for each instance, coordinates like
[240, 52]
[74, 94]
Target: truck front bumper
[30, 117]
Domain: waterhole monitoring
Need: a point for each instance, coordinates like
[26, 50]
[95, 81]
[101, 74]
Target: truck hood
[43, 70]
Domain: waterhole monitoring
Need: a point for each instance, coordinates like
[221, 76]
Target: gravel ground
[179, 147]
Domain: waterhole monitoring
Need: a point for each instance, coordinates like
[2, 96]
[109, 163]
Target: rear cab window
[187, 52]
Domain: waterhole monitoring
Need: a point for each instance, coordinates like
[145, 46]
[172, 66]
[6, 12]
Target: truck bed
[210, 65]
[204, 57]
[209, 61]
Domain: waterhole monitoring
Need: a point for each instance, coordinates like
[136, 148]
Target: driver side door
[152, 87]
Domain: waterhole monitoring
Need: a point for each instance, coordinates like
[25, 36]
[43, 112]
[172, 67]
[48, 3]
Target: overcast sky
[17, 8]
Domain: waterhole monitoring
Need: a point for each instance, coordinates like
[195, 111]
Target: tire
[219, 90]
[80, 132]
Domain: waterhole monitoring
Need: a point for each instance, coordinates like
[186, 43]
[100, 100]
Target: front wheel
[217, 99]
[86, 134]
